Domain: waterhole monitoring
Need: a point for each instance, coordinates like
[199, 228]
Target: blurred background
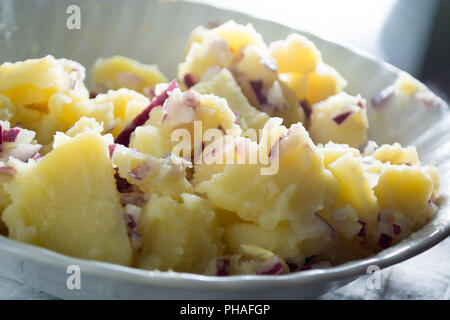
[413, 35]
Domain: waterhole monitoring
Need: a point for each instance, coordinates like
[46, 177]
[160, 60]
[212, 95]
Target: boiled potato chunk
[296, 54]
[282, 240]
[122, 72]
[341, 119]
[396, 155]
[181, 236]
[68, 202]
[189, 111]
[324, 82]
[225, 86]
[202, 58]
[239, 36]
[32, 82]
[354, 188]
[292, 192]
[406, 189]
[166, 177]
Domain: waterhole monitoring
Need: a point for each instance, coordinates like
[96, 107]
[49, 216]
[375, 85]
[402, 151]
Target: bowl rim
[406, 249]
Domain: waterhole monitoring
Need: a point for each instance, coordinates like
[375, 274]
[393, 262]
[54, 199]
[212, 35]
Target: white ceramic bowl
[156, 32]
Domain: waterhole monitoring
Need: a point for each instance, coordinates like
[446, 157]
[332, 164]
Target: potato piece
[282, 240]
[184, 110]
[354, 187]
[333, 151]
[223, 85]
[299, 187]
[239, 36]
[165, 177]
[297, 82]
[7, 109]
[396, 155]
[31, 83]
[323, 83]
[181, 236]
[201, 58]
[341, 119]
[406, 189]
[121, 72]
[68, 202]
[296, 54]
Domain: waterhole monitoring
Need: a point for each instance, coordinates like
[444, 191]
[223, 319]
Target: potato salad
[254, 160]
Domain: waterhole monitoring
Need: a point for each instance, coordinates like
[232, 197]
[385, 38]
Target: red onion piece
[22, 152]
[222, 267]
[304, 104]
[273, 266]
[149, 92]
[333, 231]
[135, 198]
[342, 117]
[293, 267]
[360, 104]
[130, 221]
[257, 86]
[10, 135]
[189, 80]
[396, 229]
[380, 99]
[7, 171]
[384, 241]
[236, 113]
[124, 137]
[1, 138]
[122, 184]
[363, 231]
[111, 148]
[141, 171]
[136, 240]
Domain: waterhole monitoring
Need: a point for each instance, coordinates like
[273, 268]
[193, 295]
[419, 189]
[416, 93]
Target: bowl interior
[156, 32]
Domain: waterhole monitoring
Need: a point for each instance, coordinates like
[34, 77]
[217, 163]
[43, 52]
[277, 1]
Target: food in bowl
[249, 163]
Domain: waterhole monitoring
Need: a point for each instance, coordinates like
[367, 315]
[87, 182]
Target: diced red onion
[141, 171]
[111, 148]
[222, 267]
[122, 184]
[236, 113]
[149, 92]
[10, 135]
[189, 80]
[274, 150]
[273, 266]
[342, 117]
[130, 221]
[136, 240]
[37, 156]
[304, 104]
[380, 99]
[22, 152]
[363, 231]
[384, 241]
[396, 229]
[257, 86]
[333, 231]
[1, 138]
[293, 267]
[385, 216]
[7, 171]
[135, 198]
[93, 94]
[124, 137]
[360, 104]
